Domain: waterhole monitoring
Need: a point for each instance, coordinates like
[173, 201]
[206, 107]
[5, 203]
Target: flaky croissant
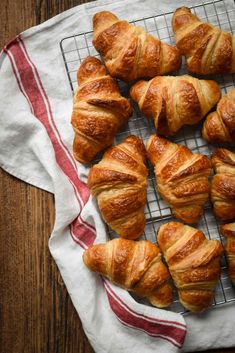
[208, 49]
[129, 52]
[175, 101]
[181, 176]
[219, 126]
[228, 231]
[119, 182]
[223, 184]
[135, 266]
[193, 261]
[98, 110]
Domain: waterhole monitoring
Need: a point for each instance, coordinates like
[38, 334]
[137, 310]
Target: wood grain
[37, 315]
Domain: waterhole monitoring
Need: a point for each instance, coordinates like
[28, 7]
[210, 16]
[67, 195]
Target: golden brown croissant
[119, 182]
[228, 231]
[219, 126]
[223, 184]
[135, 266]
[208, 49]
[194, 263]
[182, 177]
[98, 110]
[129, 52]
[175, 101]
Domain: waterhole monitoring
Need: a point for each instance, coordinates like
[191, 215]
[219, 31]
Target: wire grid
[78, 47]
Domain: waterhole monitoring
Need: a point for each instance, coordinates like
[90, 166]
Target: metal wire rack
[77, 47]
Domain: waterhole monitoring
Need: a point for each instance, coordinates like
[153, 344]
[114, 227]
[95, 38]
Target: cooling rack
[77, 47]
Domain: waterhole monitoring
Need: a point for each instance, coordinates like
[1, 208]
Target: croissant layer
[98, 110]
[129, 52]
[175, 101]
[135, 266]
[208, 49]
[223, 184]
[219, 126]
[193, 261]
[181, 176]
[119, 182]
[228, 231]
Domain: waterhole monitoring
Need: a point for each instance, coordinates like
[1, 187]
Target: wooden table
[37, 313]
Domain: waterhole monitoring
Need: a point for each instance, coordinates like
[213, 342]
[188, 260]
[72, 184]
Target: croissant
[219, 126]
[193, 261]
[223, 184]
[135, 266]
[208, 49]
[129, 52]
[228, 231]
[98, 110]
[175, 101]
[119, 182]
[182, 177]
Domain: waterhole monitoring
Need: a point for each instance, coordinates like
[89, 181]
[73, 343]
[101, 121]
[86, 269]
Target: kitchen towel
[36, 143]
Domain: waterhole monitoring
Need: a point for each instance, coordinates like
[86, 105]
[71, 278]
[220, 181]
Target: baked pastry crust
[219, 126]
[181, 176]
[129, 52]
[223, 184]
[135, 266]
[175, 101]
[208, 49]
[98, 110]
[193, 261]
[228, 231]
[119, 182]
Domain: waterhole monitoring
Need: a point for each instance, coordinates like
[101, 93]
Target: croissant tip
[209, 129]
[156, 139]
[90, 66]
[81, 151]
[224, 156]
[103, 16]
[220, 152]
[102, 13]
[172, 223]
[137, 90]
[182, 15]
[80, 159]
[138, 143]
[228, 230]
[183, 8]
[149, 141]
[90, 59]
[131, 138]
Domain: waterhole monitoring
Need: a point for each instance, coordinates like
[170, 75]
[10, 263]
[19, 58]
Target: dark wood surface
[37, 315]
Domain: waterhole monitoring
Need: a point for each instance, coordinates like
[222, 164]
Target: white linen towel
[36, 138]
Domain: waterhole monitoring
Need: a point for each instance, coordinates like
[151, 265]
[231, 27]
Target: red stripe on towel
[38, 99]
[31, 86]
[169, 330]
